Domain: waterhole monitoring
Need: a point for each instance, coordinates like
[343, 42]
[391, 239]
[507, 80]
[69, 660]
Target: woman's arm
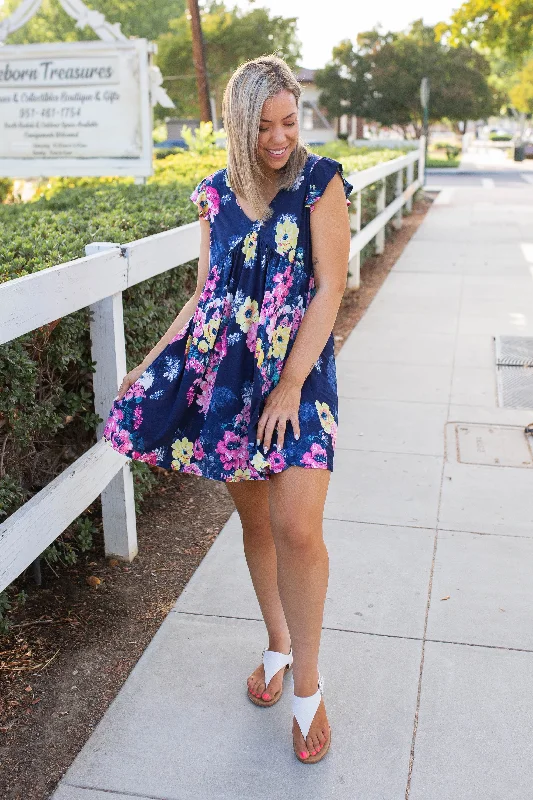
[183, 317]
[330, 239]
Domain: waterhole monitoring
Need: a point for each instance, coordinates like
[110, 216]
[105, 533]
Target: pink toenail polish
[265, 696]
[313, 752]
[303, 754]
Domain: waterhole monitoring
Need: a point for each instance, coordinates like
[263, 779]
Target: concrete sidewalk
[427, 648]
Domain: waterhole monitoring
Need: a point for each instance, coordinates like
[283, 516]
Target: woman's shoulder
[321, 170]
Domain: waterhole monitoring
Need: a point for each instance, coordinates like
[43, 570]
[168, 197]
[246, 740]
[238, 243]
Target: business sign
[76, 108]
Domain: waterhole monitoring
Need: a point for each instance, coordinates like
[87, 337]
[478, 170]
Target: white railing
[97, 281]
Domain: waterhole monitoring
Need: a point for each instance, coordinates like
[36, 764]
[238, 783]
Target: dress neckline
[242, 211]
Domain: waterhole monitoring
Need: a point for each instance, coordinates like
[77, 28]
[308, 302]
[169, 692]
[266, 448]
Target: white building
[315, 128]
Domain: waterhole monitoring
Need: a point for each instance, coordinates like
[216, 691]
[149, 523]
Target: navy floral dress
[196, 407]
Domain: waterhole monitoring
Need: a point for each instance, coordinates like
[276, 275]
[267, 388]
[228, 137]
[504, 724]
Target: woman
[242, 387]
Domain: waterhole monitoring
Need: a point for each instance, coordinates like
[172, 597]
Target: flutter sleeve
[199, 198]
[321, 174]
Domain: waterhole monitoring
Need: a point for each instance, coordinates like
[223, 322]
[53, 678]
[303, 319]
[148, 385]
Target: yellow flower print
[182, 450]
[210, 331]
[241, 475]
[326, 417]
[188, 344]
[247, 314]
[286, 236]
[259, 353]
[249, 246]
[280, 341]
[259, 461]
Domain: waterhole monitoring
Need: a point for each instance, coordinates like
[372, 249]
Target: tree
[230, 37]
[142, 18]
[522, 93]
[390, 68]
[504, 27]
[344, 82]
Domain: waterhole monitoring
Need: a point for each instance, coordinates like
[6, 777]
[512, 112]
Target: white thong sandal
[272, 663]
[304, 710]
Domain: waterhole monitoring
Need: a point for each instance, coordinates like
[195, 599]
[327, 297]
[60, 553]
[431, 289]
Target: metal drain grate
[515, 387]
[514, 371]
[514, 351]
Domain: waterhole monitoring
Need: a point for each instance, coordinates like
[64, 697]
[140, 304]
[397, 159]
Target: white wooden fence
[97, 281]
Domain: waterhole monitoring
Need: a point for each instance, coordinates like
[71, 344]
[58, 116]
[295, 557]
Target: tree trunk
[359, 131]
[198, 54]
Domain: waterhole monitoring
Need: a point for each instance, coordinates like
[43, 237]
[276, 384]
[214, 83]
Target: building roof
[305, 75]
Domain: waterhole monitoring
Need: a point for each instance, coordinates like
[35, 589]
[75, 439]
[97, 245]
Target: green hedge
[47, 417]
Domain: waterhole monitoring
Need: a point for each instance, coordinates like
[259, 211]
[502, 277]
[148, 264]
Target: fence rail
[97, 281]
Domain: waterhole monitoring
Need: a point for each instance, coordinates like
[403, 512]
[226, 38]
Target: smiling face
[278, 131]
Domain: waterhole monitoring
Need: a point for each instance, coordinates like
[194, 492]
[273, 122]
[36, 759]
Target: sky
[323, 23]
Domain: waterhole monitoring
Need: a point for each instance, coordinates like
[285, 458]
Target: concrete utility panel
[493, 445]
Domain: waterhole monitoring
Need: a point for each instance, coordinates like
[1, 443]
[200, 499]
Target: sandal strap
[305, 708]
[273, 662]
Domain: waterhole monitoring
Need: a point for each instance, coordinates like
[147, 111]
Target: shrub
[6, 188]
[500, 137]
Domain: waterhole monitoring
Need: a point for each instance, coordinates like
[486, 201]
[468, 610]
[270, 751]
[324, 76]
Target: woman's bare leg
[251, 501]
[297, 496]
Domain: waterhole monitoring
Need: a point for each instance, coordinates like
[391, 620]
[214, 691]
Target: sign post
[424, 100]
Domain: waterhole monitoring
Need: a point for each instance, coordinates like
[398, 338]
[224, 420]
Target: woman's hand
[129, 380]
[281, 405]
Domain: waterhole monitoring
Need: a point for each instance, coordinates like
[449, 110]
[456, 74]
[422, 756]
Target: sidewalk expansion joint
[116, 792]
[390, 452]
[383, 524]
[486, 646]
[487, 533]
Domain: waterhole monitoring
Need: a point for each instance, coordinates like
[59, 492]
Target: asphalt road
[488, 179]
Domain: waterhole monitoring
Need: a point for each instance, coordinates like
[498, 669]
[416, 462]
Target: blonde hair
[249, 87]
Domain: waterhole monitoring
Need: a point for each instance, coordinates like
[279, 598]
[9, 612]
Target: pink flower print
[199, 325]
[206, 391]
[226, 309]
[193, 469]
[136, 390]
[191, 391]
[232, 451]
[316, 457]
[148, 458]
[210, 284]
[251, 337]
[213, 202]
[195, 364]
[137, 417]
[296, 321]
[207, 199]
[276, 461]
[198, 450]
[120, 439]
[334, 434]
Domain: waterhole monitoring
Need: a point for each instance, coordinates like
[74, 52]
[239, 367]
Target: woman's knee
[297, 535]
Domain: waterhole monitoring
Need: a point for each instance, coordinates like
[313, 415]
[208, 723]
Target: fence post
[108, 350]
[380, 206]
[354, 279]
[410, 179]
[398, 191]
